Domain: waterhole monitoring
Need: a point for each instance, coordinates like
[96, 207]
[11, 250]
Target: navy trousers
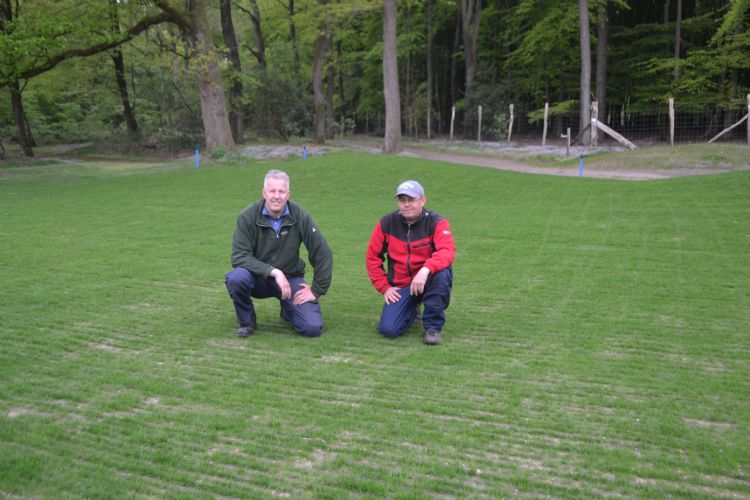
[398, 316]
[243, 285]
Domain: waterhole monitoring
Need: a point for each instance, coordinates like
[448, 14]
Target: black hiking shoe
[432, 337]
[245, 331]
[285, 315]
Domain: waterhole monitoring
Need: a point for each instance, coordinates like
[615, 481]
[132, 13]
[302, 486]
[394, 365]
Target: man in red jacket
[418, 247]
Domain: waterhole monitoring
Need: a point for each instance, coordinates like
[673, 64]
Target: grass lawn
[597, 340]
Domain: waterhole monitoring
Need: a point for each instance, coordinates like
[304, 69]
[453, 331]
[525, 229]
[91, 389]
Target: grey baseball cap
[410, 188]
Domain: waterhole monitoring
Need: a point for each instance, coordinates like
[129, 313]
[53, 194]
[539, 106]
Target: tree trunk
[601, 59]
[295, 52]
[319, 98]
[585, 99]
[19, 117]
[122, 87]
[122, 84]
[407, 68]
[16, 98]
[260, 45]
[392, 140]
[677, 38]
[470, 13]
[430, 75]
[236, 115]
[454, 59]
[216, 127]
[342, 93]
[330, 86]
[560, 98]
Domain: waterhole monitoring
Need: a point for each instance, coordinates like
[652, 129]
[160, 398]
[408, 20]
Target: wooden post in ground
[453, 117]
[479, 124]
[594, 119]
[544, 132]
[671, 121]
[604, 128]
[567, 147]
[726, 130]
[510, 123]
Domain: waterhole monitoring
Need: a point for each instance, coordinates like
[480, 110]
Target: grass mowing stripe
[596, 343]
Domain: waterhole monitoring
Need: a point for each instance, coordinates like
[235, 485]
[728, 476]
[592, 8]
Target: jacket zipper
[408, 250]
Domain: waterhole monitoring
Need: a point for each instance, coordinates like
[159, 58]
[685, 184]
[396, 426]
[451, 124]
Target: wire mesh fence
[643, 126]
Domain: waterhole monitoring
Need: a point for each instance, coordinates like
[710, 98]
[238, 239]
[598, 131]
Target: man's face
[410, 208]
[276, 193]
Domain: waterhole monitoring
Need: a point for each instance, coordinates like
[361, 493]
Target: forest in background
[170, 74]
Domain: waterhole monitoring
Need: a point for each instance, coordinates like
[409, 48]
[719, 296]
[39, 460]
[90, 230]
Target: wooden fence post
[453, 117]
[544, 133]
[479, 123]
[594, 127]
[671, 121]
[567, 146]
[510, 123]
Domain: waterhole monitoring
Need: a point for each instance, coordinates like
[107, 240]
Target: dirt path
[375, 146]
[481, 161]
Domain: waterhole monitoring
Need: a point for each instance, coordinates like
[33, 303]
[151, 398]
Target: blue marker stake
[580, 166]
[197, 156]
[304, 153]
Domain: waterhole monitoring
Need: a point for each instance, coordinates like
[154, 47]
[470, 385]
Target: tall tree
[122, 85]
[454, 59]
[236, 91]
[585, 99]
[319, 97]
[19, 117]
[677, 39]
[260, 44]
[16, 96]
[430, 70]
[295, 51]
[602, 39]
[194, 21]
[392, 140]
[76, 30]
[330, 85]
[471, 11]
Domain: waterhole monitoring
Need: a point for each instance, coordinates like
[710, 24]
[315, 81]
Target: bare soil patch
[647, 163]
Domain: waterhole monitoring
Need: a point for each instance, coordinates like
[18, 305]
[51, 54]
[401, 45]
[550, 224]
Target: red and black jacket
[428, 242]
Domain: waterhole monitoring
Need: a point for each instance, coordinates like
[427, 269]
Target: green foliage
[218, 153]
[499, 125]
[565, 108]
[528, 54]
[41, 30]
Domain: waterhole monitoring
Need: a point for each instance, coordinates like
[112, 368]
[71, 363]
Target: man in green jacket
[266, 262]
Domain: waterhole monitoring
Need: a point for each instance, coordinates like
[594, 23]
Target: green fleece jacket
[257, 248]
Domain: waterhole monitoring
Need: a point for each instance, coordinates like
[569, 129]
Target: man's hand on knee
[283, 283]
[304, 294]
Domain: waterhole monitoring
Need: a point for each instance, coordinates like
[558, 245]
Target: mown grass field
[597, 342]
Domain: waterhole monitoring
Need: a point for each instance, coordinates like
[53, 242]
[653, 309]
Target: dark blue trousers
[398, 316]
[242, 285]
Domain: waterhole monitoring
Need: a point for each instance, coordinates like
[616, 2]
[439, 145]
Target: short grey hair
[276, 174]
